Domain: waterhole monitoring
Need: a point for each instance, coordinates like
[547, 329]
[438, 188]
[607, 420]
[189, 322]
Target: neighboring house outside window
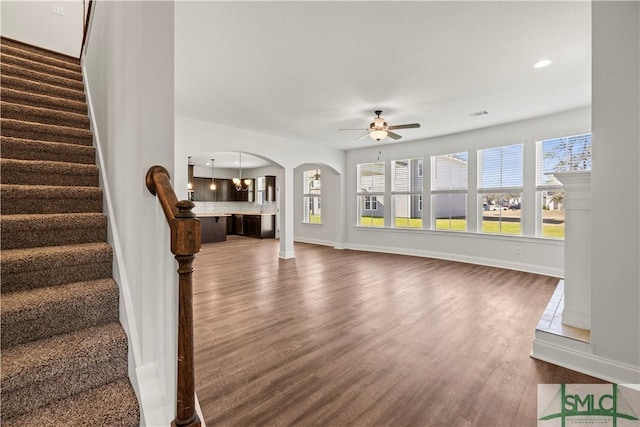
[312, 196]
[370, 194]
[500, 183]
[406, 192]
[449, 187]
[557, 155]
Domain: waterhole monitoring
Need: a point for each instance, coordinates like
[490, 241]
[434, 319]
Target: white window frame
[453, 189]
[363, 193]
[308, 197]
[410, 192]
[502, 189]
[554, 185]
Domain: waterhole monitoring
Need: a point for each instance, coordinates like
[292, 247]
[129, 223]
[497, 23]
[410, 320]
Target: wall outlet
[58, 10]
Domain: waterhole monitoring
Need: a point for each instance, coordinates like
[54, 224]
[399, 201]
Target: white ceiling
[303, 70]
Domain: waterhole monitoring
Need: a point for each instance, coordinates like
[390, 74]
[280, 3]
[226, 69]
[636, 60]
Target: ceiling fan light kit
[379, 129]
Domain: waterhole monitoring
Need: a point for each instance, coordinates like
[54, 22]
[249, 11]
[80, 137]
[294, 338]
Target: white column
[284, 192]
[577, 248]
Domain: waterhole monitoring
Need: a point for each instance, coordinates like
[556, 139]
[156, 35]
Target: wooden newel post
[185, 243]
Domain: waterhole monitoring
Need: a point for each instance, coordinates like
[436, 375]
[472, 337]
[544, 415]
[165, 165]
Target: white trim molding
[578, 356]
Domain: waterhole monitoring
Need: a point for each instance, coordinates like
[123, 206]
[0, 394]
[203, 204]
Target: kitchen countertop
[211, 214]
[214, 214]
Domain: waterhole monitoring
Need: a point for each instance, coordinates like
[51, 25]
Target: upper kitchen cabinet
[202, 190]
[225, 191]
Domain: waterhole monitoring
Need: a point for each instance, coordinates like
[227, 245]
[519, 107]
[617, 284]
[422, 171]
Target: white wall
[194, 136]
[34, 22]
[129, 77]
[545, 256]
[615, 244]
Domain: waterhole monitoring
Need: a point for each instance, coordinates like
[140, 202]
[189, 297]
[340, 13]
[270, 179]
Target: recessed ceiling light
[542, 63]
[208, 163]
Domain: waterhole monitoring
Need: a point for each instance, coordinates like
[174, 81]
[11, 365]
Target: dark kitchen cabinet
[213, 229]
[225, 191]
[202, 190]
[258, 226]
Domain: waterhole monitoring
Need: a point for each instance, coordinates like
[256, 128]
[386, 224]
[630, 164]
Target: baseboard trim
[286, 254]
[314, 241]
[586, 363]
[489, 262]
[576, 319]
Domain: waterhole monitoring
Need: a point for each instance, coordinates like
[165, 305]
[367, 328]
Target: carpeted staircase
[64, 352]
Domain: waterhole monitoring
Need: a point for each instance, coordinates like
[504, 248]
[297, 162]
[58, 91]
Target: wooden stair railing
[85, 23]
[185, 243]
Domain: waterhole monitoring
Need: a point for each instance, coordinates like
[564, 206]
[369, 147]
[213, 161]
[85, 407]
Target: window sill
[464, 234]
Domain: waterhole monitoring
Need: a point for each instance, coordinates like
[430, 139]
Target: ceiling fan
[379, 129]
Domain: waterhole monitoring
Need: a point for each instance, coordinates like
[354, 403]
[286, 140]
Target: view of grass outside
[451, 224]
[371, 221]
[548, 230]
[405, 222]
[501, 227]
[314, 219]
[553, 223]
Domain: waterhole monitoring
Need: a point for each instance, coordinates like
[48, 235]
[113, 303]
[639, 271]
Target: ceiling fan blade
[363, 136]
[409, 126]
[393, 135]
[353, 129]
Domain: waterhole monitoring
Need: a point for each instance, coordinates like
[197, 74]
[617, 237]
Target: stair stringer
[151, 362]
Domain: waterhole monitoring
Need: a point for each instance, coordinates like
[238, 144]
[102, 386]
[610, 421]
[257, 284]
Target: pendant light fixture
[241, 185]
[213, 182]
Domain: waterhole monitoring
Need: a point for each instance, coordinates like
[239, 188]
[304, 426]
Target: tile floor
[551, 320]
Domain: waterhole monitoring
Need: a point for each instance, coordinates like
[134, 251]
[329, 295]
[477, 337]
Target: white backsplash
[234, 207]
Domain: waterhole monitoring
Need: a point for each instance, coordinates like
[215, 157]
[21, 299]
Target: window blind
[371, 177]
[449, 172]
[406, 176]
[560, 155]
[500, 168]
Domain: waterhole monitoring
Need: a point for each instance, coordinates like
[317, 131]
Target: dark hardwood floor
[340, 338]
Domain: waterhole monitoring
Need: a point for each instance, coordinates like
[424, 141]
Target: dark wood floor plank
[353, 338]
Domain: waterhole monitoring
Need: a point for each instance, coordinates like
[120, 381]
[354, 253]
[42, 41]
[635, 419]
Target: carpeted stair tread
[64, 353]
[39, 54]
[43, 172]
[43, 101]
[40, 67]
[41, 199]
[10, 110]
[118, 407]
[29, 268]
[43, 312]
[38, 373]
[41, 132]
[29, 149]
[33, 230]
[27, 74]
[25, 85]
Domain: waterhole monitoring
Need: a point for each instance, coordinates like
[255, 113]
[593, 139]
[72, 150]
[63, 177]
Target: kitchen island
[213, 227]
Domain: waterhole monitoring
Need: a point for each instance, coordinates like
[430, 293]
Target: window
[312, 196]
[370, 193]
[449, 178]
[557, 155]
[370, 203]
[500, 181]
[406, 192]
